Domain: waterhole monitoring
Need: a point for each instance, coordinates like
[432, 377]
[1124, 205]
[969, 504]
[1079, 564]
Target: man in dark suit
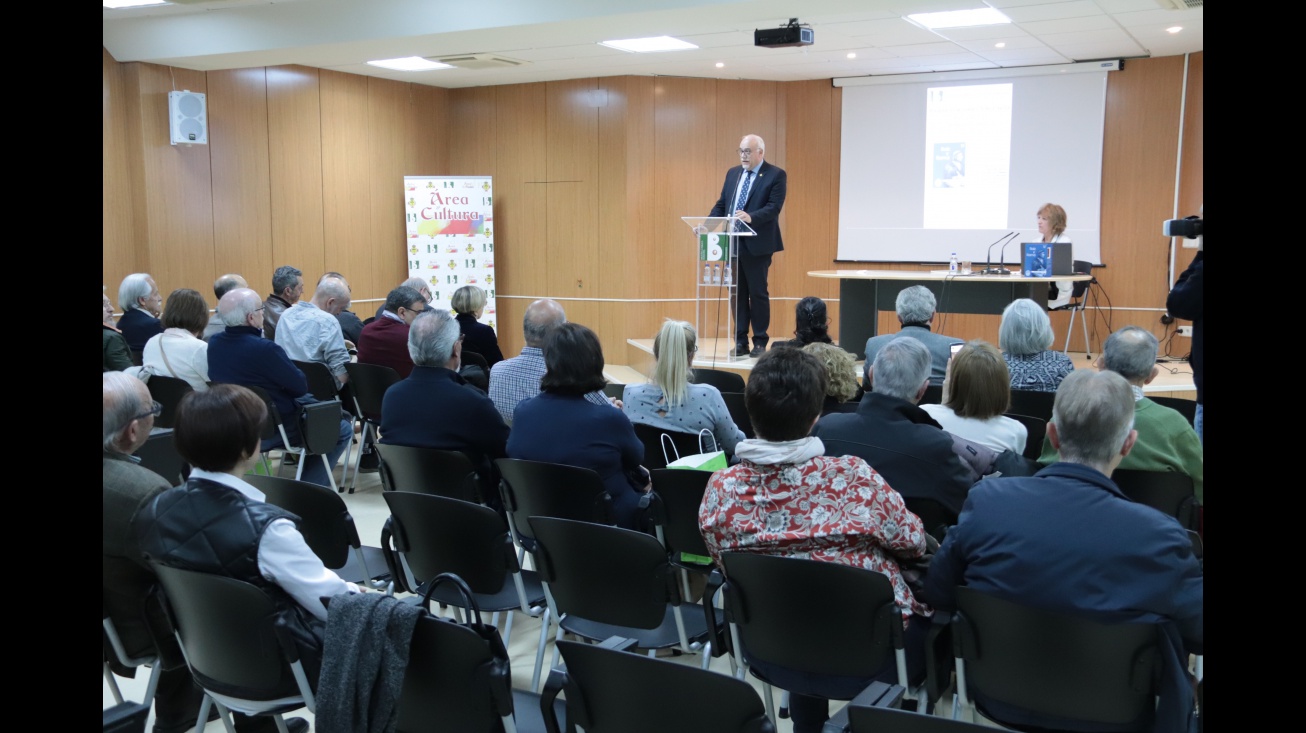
[754, 192]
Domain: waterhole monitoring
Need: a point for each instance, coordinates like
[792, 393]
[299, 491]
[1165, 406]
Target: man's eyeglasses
[155, 409]
[747, 150]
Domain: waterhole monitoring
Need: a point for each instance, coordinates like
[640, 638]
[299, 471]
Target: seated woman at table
[976, 393]
[179, 351]
[560, 426]
[842, 372]
[469, 303]
[1052, 229]
[670, 401]
[1025, 337]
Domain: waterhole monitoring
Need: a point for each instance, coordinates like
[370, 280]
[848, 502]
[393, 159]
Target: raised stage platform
[1175, 379]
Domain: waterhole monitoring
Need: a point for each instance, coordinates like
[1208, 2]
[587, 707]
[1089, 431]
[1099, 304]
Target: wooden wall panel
[521, 210]
[242, 202]
[295, 153]
[572, 252]
[619, 235]
[473, 137]
[120, 250]
[388, 130]
[178, 191]
[347, 174]
[687, 180]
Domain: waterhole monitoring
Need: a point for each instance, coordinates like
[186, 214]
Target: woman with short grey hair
[1025, 337]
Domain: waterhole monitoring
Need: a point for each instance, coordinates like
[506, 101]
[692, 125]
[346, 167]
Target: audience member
[469, 303]
[1185, 301]
[117, 356]
[900, 440]
[128, 417]
[139, 299]
[178, 351]
[309, 330]
[841, 375]
[287, 288]
[1025, 337]
[670, 401]
[915, 306]
[976, 393]
[384, 341]
[1166, 442]
[417, 411]
[1067, 539]
[560, 425]
[351, 326]
[218, 523]
[221, 287]
[786, 497]
[516, 379]
[811, 324]
[239, 355]
[422, 287]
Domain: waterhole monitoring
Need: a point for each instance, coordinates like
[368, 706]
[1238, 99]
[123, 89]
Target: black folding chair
[319, 428]
[535, 488]
[368, 384]
[1169, 492]
[431, 471]
[1035, 429]
[1032, 403]
[167, 391]
[723, 380]
[658, 451]
[1187, 408]
[672, 508]
[159, 454]
[739, 412]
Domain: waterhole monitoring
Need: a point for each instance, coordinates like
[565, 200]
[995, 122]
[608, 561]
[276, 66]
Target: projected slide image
[968, 154]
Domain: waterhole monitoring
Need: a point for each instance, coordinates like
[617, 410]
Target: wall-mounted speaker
[188, 118]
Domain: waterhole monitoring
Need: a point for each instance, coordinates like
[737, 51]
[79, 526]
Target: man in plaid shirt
[516, 379]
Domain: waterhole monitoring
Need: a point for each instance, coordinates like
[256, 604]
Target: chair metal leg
[281, 724]
[113, 684]
[963, 696]
[784, 704]
[331, 473]
[204, 712]
[539, 652]
[153, 684]
[770, 703]
[224, 713]
[1083, 324]
[1070, 329]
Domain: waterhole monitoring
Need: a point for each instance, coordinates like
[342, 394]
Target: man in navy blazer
[754, 192]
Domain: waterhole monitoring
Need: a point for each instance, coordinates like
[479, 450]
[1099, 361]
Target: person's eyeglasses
[256, 310]
[155, 409]
[746, 150]
[693, 349]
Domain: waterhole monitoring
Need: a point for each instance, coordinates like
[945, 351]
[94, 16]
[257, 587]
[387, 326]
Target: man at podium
[755, 192]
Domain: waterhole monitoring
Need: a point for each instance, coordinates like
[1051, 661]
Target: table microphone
[1002, 256]
[988, 258]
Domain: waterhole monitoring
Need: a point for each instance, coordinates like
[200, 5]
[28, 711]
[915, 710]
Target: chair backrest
[681, 445]
[719, 378]
[933, 395]
[680, 493]
[739, 412]
[1055, 664]
[1169, 492]
[1081, 267]
[320, 426]
[369, 383]
[1187, 408]
[1032, 403]
[602, 683]
[774, 600]
[271, 426]
[936, 517]
[615, 390]
[535, 488]
[226, 629]
[167, 391]
[436, 534]
[325, 521]
[320, 381]
[870, 719]
[604, 574]
[471, 358]
[1035, 429]
[159, 454]
[430, 471]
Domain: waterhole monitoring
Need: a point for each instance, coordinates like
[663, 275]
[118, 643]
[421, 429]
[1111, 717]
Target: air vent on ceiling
[480, 61]
[1180, 4]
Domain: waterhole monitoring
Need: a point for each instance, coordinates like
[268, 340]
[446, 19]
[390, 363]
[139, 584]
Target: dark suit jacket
[436, 408]
[385, 342]
[904, 445]
[480, 338]
[128, 486]
[138, 326]
[765, 199]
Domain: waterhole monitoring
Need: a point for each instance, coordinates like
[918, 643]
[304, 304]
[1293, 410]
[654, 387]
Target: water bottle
[952, 264]
[725, 276]
[707, 274]
[716, 274]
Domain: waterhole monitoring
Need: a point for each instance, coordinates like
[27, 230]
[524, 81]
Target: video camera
[1188, 227]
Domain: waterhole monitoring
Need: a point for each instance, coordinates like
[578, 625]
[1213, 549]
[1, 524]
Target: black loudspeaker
[1046, 260]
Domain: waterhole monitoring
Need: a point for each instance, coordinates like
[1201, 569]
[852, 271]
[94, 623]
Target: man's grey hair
[285, 277]
[226, 284]
[1025, 328]
[915, 304]
[541, 317]
[900, 368]
[332, 287]
[134, 287]
[234, 307]
[402, 297]
[431, 338]
[416, 283]
[1093, 412]
[122, 402]
[1131, 353]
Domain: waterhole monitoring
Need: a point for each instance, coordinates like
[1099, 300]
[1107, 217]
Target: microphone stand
[1002, 256]
[989, 269]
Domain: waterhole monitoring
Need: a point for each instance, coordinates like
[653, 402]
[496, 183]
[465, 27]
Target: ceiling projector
[785, 36]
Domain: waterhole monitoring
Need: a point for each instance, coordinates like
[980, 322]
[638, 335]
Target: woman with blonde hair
[469, 303]
[976, 393]
[842, 370]
[670, 401]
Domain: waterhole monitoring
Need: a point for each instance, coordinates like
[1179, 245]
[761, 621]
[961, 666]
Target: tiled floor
[370, 512]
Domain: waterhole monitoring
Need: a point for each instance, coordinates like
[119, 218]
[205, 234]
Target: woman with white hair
[670, 401]
[469, 303]
[1025, 337]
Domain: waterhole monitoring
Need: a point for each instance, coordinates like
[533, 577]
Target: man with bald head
[221, 287]
[513, 380]
[240, 355]
[754, 192]
[309, 331]
[1166, 442]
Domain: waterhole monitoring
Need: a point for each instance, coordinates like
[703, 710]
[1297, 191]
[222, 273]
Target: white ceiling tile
[1053, 11]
